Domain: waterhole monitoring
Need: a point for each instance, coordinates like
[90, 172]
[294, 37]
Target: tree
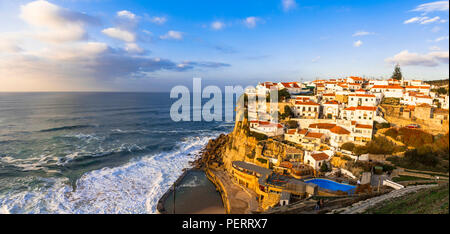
[288, 111]
[324, 167]
[397, 75]
[283, 94]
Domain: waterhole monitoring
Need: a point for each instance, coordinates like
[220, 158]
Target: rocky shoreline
[208, 156]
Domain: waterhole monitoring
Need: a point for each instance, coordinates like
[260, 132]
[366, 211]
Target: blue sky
[87, 45]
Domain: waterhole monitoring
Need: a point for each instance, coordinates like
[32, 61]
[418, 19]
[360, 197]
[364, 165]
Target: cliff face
[240, 146]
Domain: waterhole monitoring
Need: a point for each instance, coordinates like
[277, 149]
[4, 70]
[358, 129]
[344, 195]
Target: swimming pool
[331, 185]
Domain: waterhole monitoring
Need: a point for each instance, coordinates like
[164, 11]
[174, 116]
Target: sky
[112, 45]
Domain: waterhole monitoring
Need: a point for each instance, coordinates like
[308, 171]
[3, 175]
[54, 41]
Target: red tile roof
[268, 124]
[322, 125]
[363, 126]
[361, 95]
[307, 103]
[291, 131]
[355, 78]
[339, 130]
[332, 102]
[314, 135]
[303, 131]
[387, 87]
[320, 156]
[367, 108]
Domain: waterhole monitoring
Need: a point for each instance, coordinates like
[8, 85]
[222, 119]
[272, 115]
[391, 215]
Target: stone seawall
[160, 206]
[221, 188]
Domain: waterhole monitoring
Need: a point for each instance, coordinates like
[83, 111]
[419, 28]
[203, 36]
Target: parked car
[413, 126]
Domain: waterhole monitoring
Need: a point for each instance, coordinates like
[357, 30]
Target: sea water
[93, 152]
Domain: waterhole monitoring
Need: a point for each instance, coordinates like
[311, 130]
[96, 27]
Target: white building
[267, 128]
[362, 100]
[361, 114]
[331, 109]
[421, 89]
[414, 99]
[361, 133]
[316, 159]
[307, 110]
[337, 134]
[389, 91]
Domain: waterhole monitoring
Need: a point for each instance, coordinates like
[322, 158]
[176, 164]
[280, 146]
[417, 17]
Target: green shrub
[348, 146]
[262, 160]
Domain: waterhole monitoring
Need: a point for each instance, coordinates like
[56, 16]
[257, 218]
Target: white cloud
[126, 14]
[120, 34]
[431, 59]
[217, 25]
[414, 19]
[158, 19]
[133, 48]
[288, 4]
[251, 21]
[172, 35]
[357, 43]
[425, 20]
[441, 38]
[53, 23]
[316, 59]
[362, 33]
[432, 6]
[432, 20]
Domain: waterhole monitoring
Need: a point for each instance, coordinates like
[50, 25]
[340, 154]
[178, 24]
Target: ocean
[93, 152]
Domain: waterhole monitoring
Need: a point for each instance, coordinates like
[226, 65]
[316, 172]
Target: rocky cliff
[239, 145]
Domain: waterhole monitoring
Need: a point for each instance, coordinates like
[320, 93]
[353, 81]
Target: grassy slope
[429, 201]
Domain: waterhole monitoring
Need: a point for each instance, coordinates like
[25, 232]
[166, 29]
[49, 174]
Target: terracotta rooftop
[363, 126]
[387, 87]
[307, 103]
[322, 125]
[314, 135]
[332, 102]
[320, 156]
[303, 131]
[339, 130]
[291, 131]
[367, 108]
[362, 95]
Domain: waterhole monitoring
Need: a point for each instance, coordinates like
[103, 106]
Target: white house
[337, 134]
[361, 132]
[355, 79]
[266, 128]
[361, 114]
[331, 109]
[315, 159]
[362, 100]
[306, 110]
[389, 91]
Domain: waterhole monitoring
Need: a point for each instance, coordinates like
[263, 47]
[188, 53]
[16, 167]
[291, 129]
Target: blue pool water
[331, 185]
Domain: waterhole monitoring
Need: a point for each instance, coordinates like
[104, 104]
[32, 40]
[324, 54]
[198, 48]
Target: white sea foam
[132, 188]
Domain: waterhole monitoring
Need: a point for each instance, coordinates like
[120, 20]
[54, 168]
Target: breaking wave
[131, 188]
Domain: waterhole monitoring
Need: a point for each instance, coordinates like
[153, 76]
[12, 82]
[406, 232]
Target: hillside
[443, 82]
[427, 201]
